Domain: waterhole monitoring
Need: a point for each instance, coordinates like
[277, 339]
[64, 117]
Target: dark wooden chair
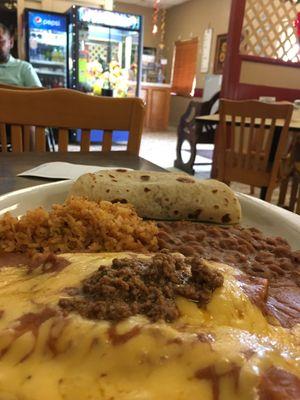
[250, 145]
[67, 109]
[295, 195]
[194, 132]
[291, 173]
[50, 140]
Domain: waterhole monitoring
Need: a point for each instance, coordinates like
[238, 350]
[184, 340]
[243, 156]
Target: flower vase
[107, 92]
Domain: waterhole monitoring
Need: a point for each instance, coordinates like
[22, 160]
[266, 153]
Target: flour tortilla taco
[161, 195]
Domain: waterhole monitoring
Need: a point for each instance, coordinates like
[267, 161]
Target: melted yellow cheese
[71, 358]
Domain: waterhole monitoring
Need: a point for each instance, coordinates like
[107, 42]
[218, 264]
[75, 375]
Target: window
[184, 67]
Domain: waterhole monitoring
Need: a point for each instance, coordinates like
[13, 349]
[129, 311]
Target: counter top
[155, 84]
[151, 84]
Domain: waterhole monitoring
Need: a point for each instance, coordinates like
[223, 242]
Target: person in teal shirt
[14, 71]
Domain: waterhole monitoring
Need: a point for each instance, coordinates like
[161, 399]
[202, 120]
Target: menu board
[206, 46]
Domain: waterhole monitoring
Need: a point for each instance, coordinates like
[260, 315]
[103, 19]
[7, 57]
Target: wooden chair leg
[252, 190]
[294, 190]
[179, 163]
[269, 193]
[283, 191]
[180, 139]
[298, 202]
[193, 144]
[297, 177]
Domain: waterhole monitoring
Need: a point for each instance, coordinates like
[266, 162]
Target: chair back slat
[27, 130]
[3, 138]
[16, 138]
[250, 151]
[269, 141]
[85, 140]
[241, 136]
[40, 139]
[231, 146]
[66, 109]
[107, 140]
[259, 139]
[63, 139]
[246, 138]
[135, 126]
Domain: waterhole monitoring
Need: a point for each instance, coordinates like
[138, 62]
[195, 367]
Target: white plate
[271, 220]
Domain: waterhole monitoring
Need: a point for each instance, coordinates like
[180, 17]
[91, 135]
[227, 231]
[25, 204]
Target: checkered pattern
[268, 29]
[97, 51]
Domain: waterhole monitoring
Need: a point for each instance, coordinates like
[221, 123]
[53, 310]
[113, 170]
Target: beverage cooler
[104, 52]
[46, 41]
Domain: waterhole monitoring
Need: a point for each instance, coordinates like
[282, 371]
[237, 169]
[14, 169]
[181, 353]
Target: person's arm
[30, 77]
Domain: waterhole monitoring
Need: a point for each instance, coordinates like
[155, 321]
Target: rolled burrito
[162, 195]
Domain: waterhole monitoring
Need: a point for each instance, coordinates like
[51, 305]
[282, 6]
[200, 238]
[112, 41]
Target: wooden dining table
[11, 164]
[214, 119]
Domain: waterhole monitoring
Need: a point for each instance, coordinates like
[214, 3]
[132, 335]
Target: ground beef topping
[144, 286]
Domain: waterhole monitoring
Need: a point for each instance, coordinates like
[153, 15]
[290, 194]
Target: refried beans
[248, 250]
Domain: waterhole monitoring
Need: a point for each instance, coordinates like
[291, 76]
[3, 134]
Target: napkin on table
[62, 170]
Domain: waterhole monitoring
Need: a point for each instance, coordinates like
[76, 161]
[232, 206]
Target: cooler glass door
[47, 47]
[108, 59]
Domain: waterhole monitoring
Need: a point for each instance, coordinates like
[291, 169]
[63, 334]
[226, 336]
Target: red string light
[155, 16]
[162, 29]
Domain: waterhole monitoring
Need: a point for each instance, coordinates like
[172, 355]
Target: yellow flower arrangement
[94, 68]
[114, 78]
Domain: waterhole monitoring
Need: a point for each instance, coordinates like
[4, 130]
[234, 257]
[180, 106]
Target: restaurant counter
[157, 99]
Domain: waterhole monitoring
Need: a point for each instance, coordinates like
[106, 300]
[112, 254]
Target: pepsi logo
[38, 20]
[41, 21]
